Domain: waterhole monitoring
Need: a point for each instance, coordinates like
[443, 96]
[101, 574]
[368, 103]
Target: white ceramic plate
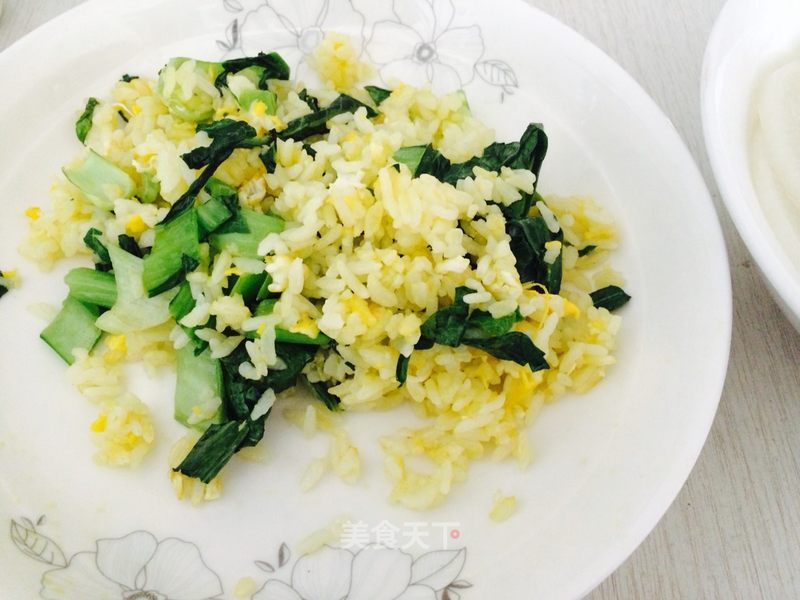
[608, 464]
[749, 39]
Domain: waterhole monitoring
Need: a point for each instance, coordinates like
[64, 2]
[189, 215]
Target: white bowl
[749, 38]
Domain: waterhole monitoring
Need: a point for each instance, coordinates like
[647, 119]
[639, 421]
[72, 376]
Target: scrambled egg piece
[123, 432]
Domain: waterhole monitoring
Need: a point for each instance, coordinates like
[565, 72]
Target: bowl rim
[741, 201]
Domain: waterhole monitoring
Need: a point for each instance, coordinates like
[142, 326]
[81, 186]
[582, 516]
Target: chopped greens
[226, 136]
[176, 252]
[321, 393]
[74, 327]
[514, 346]
[454, 325]
[267, 157]
[242, 234]
[92, 287]
[528, 153]
[214, 449]
[312, 102]
[268, 66]
[101, 181]
[401, 371]
[130, 245]
[290, 337]
[610, 298]
[482, 325]
[317, 122]
[529, 235]
[198, 389]
[529, 239]
[149, 188]
[134, 310]
[248, 286]
[183, 302]
[447, 325]
[128, 78]
[377, 94]
[84, 123]
[221, 441]
[93, 242]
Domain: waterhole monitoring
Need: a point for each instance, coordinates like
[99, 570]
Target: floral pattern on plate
[375, 572]
[138, 566]
[134, 567]
[424, 44]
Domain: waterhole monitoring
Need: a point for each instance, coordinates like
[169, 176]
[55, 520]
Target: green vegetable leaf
[312, 102]
[482, 325]
[272, 66]
[227, 135]
[239, 394]
[378, 94]
[249, 97]
[423, 160]
[611, 298]
[447, 325]
[198, 385]
[321, 393]
[494, 157]
[133, 310]
[221, 441]
[309, 150]
[149, 189]
[248, 286]
[401, 371]
[453, 326]
[176, 252]
[528, 153]
[130, 245]
[84, 123]
[267, 157]
[528, 239]
[514, 346]
[242, 234]
[74, 327]
[183, 303]
[213, 450]
[212, 215]
[295, 356]
[317, 122]
[92, 287]
[93, 242]
[411, 156]
[100, 180]
[264, 292]
[128, 78]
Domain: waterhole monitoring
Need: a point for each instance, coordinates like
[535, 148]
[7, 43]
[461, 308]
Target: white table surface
[734, 531]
